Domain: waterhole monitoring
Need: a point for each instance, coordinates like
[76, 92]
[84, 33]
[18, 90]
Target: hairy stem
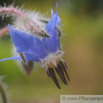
[3, 93]
[27, 22]
[11, 11]
[4, 31]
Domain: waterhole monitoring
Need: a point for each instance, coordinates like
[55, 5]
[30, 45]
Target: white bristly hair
[25, 20]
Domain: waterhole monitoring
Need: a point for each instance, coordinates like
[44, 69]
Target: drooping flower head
[46, 51]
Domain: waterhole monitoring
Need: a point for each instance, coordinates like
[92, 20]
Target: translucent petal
[30, 57]
[22, 40]
[17, 57]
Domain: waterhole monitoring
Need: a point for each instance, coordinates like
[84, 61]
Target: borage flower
[46, 51]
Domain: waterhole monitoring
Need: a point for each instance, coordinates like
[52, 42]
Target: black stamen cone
[61, 73]
[58, 72]
[64, 68]
[53, 76]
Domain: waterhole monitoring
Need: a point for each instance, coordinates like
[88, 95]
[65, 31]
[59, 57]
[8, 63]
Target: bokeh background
[82, 26]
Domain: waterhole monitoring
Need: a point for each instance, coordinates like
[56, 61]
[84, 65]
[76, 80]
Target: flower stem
[4, 31]
[3, 93]
[11, 10]
[26, 21]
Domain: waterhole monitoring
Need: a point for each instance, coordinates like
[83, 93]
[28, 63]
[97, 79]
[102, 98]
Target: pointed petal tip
[11, 29]
[56, 4]
[1, 60]
[10, 26]
[51, 10]
[52, 13]
[50, 27]
[17, 57]
[57, 7]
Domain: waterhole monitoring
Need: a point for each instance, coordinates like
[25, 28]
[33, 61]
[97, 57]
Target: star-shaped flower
[46, 51]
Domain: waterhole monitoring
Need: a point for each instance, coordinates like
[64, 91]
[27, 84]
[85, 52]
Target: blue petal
[46, 44]
[30, 57]
[50, 28]
[58, 18]
[22, 40]
[52, 13]
[38, 49]
[17, 57]
[52, 44]
[58, 21]
[57, 7]
[27, 43]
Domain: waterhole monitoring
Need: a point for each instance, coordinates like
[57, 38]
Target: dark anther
[58, 72]
[61, 73]
[65, 65]
[47, 72]
[64, 69]
[53, 76]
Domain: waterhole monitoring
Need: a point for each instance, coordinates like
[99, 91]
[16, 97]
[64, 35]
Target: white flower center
[52, 59]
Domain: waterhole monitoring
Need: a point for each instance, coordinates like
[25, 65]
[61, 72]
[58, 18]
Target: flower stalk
[11, 10]
[27, 23]
[3, 92]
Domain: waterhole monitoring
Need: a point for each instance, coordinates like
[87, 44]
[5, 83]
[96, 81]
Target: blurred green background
[82, 25]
